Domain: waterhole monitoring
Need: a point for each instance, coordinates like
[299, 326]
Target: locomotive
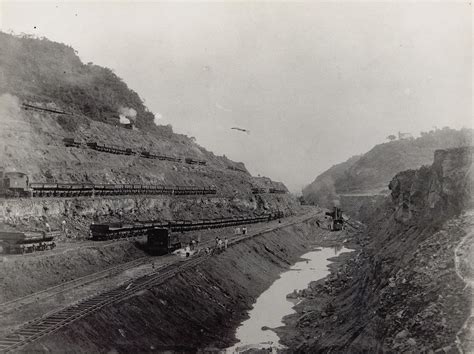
[14, 184]
[337, 220]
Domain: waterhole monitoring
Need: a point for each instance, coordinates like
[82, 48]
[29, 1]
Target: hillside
[46, 71]
[52, 80]
[370, 173]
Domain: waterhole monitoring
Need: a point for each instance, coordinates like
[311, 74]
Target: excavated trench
[198, 308]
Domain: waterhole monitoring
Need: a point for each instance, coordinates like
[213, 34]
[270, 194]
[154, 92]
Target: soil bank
[197, 309]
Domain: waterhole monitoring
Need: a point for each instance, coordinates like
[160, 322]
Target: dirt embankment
[198, 308]
[401, 291]
[25, 275]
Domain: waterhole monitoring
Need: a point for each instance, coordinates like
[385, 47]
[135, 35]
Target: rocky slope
[370, 173]
[401, 290]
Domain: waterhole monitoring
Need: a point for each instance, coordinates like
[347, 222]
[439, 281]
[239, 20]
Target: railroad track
[54, 321]
[58, 289]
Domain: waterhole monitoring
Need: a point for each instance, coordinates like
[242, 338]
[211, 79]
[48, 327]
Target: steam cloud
[9, 106]
[11, 124]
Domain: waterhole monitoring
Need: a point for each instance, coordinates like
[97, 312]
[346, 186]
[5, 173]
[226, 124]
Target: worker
[226, 242]
[48, 228]
[219, 245]
[63, 225]
[188, 251]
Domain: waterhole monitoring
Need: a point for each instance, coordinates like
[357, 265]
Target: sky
[314, 82]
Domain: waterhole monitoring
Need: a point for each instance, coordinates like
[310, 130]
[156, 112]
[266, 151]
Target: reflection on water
[272, 305]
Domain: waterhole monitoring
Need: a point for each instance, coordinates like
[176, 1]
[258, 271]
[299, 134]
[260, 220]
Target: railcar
[15, 242]
[71, 142]
[162, 241]
[258, 190]
[276, 190]
[192, 161]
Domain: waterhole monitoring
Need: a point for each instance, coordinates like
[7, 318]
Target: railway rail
[54, 321]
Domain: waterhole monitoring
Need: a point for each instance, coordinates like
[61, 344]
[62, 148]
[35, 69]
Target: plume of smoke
[127, 115]
[123, 119]
[13, 130]
[9, 107]
[157, 119]
[324, 193]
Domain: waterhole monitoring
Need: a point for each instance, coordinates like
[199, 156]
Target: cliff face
[443, 189]
[401, 291]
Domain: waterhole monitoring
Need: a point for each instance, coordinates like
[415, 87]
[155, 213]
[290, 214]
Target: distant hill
[372, 171]
[42, 70]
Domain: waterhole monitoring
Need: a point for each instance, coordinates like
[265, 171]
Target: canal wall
[197, 309]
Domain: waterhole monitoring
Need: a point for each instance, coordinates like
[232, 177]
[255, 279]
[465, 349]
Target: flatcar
[277, 191]
[258, 190]
[192, 161]
[71, 142]
[15, 242]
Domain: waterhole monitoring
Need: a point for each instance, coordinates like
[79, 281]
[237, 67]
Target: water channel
[272, 305]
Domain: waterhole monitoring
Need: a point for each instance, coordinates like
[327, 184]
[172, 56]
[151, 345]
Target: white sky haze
[315, 82]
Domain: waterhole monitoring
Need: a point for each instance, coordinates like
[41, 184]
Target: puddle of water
[272, 305]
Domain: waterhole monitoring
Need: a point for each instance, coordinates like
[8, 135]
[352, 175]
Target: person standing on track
[226, 242]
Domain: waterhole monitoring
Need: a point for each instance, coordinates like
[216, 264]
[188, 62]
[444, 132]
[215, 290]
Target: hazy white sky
[314, 82]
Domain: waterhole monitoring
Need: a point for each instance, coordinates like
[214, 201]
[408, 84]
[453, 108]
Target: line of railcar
[120, 150]
[84, 189]
[110, 231]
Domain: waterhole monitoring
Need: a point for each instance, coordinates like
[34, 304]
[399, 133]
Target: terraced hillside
[64, 98]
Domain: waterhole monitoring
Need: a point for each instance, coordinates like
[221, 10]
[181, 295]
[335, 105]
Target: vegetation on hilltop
[374, 169]
[43, 70]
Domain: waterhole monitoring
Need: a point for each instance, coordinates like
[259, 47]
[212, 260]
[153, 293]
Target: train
[20, 242]
[120, 150]
[17, 184]
[108, 231]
